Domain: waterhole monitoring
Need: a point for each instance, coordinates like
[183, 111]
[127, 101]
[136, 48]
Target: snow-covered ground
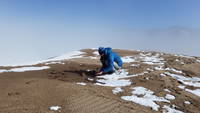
[81, 83]
[23, 69]
[190, 81]
[117, 90]
[116, 80]
[128, 59]
[145, 97]
[54, 62]
[151, 59]
[170, 97]
[167, 69]
[54, 108]
[71, 55]
[187, 102]
[195, 92]
[167, 90]
[168, 109]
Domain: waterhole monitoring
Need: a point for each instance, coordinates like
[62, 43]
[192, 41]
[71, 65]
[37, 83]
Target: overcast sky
[32, 30]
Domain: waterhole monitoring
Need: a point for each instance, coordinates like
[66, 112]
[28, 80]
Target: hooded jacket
[108, 59]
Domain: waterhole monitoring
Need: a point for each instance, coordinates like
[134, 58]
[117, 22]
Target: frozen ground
[23, 69]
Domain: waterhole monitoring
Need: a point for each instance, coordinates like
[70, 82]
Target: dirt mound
[169, 82]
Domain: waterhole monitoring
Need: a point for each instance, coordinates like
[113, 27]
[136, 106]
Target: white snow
[91, 57]
[167, 69]
[177, 60]
[135, 65]
[170, 97]
[54, 108]
[23, 69]
[3, 70]
[148, 69]
[113, 83]
[195, 92]
[168, 109]
[181, 87]
[187, 102]
[81, 83]
[117, 90]
[167, 90]
[162, 75]
[145, 97]
[198, 61]
[54, 62]
[182, 63]
[90, 79]
[74, 54]
[116, 80]
[159, 68]
[128, 59]
[185, 56]
[147, 78]
[174, 70]
[96, 53]
[191, 81]
[149, 59]
[71, 55]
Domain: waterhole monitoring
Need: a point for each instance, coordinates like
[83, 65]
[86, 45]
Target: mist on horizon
[38, 29]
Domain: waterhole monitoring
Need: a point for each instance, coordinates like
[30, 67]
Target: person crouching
[110, 60]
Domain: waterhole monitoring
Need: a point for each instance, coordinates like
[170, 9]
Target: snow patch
[96, 53]
[3, 70]
[128, 59]
[135, 65]
[54, 108]
[71, 55]
[170, 97]
[168, 109]
[181, 87]
[187, 102]
[90, 79]
[184, 56]
[195, 92]
[149, 59]
[167, 90]
[174, 70]
[145, 97]
[177, 60]
[117, 90]
[159, 68]
[162, 75]
[167, 69]
[116, 80]
[81, 83]
[91, 57]
[23, 69]
[191, 81]
[54, 62]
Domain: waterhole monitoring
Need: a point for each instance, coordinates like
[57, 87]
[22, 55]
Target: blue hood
[105, 51]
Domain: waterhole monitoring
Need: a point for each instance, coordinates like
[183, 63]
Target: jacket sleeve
[109, 67]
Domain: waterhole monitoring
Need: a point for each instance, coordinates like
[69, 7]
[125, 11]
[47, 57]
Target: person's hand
[99, 73]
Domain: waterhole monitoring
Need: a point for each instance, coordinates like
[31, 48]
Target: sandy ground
[36, 91]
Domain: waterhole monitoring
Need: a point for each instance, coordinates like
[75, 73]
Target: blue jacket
[108, 59]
